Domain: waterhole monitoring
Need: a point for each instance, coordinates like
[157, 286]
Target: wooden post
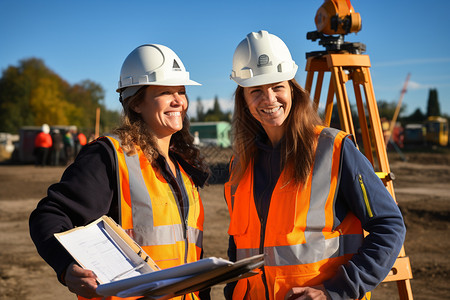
[97, 122]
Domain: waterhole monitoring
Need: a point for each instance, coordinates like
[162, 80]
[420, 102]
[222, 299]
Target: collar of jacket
[198, 176]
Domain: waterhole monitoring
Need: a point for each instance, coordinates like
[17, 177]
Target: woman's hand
[80, 281]
[317, 292]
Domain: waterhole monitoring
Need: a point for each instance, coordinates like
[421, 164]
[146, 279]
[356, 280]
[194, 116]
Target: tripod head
[334, 19]
[334, 44]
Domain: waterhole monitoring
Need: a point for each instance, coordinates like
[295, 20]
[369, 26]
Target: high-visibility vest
[150, 212]
[43, 140]
[82, 139]
[301, 243]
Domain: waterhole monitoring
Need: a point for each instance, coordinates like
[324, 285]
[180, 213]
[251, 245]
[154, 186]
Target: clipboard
[140, 275]
[105, 248]
[183, 279]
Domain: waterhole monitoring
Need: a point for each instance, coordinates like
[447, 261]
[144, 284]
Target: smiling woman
[163, 109]
[299, 192]
[145, 176]
[270, 105]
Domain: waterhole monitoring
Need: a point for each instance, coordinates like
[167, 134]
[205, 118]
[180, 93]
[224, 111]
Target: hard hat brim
[162, 83]
[265, 78]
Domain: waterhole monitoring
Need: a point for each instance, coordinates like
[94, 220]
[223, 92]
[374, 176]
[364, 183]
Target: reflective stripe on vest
[306, 253]
[142, 209]
[302, 245]
[143, 213]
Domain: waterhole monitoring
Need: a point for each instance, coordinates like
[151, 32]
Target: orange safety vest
[43, 140]
[302, 245]
[150, 212]
[82, 139]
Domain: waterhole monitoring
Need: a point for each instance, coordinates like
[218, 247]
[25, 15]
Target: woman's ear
[136, 108]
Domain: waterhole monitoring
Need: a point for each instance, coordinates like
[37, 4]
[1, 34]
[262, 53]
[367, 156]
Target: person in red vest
[42, 145]
[145, 176]
[299, 192]
[82, 140]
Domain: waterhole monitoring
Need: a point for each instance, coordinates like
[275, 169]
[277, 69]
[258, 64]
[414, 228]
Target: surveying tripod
[355, 67]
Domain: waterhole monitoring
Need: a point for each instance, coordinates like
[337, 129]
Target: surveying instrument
[345, 62]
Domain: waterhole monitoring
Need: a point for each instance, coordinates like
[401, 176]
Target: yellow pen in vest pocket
[366, 198]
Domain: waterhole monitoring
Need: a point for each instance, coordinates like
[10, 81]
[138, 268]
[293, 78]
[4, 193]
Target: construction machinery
[345, 62]
[436, 131]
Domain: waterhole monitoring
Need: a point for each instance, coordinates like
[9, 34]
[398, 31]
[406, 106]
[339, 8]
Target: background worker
[69, 146]
[149, 164]
[57, 146]
[82, 139]
[299, 192]
[42, 145]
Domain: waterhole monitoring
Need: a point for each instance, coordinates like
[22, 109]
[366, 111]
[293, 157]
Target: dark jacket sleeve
[229, 287]
[85, 193]
[385, 226]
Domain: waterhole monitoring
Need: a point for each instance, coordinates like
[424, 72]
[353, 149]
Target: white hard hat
[45, 128]
[262, 58]
[152, 64]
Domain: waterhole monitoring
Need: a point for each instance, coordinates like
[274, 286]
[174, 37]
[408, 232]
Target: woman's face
[163, 109]
[270, 104]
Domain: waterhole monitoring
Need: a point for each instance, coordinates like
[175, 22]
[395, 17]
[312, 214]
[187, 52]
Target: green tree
[416, 117]
[433, 107]
[387, 109]
[32, 94]
[16, 86]
[109, 120]
[86, 97]
[216, 114]
[48, 104]
[200, 110]
[335, 119]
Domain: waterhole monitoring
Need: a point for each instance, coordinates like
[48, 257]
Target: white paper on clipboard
[123, 268]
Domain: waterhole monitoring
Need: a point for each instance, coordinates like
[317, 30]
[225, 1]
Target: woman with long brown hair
[300, 193]
[145, 175]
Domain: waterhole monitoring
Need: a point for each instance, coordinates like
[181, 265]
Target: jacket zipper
[261, 251]
[263, 222]
[366, 198]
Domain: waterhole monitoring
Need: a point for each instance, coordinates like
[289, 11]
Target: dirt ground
[422, 190]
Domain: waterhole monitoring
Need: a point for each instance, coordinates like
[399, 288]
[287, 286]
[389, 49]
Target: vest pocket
[240, 290]
[166, 234]
[284, 283]
[283, 211]
[238, 225]
[239, 218]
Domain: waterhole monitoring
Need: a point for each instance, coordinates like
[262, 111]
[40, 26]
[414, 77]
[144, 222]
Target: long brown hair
[133, 132]
[300, 138]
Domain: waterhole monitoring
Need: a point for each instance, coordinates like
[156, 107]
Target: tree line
[32, 94]
[214, 114]
[387, 109]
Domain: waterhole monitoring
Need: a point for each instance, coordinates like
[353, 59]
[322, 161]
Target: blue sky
[90, 39]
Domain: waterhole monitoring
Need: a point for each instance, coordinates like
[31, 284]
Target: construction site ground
[422, 189]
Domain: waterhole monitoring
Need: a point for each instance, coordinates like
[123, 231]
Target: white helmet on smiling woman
[262, 58]
[151, 64]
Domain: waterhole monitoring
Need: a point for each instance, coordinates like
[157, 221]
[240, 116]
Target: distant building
[212, 133]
